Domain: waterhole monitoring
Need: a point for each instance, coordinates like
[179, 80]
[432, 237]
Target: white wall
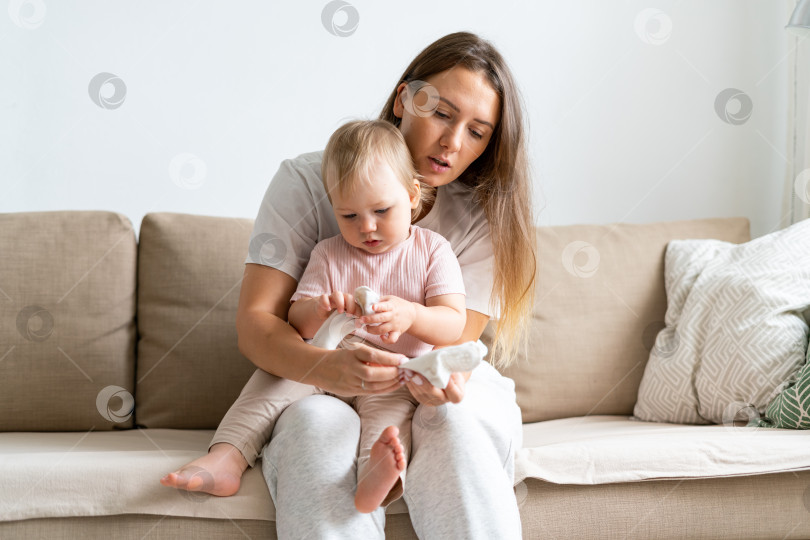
[621, 130]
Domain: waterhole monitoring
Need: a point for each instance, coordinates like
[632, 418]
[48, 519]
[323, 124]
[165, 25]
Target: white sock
[339, 325]
[437, 365]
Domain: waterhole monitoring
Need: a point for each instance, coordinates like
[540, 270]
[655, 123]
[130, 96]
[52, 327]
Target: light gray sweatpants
[460, 476]
[249, 422]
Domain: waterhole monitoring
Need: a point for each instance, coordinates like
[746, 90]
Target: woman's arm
[271, 344]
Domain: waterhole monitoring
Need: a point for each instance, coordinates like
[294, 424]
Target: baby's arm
[439, 322]
[308, 314]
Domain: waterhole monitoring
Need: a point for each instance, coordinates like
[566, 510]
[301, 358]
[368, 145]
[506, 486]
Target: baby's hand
[342, 302]
[394, 315]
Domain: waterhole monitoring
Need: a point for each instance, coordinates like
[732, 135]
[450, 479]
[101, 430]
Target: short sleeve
[444, 274]
[315, 280]
[477, 265]
[294, 215]
[462, 222]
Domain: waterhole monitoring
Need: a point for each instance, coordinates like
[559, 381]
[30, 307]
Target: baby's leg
[243, 432]
[385, 443]
[381, 471]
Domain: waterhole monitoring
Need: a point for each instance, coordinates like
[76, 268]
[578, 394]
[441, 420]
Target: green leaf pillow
[791, 408]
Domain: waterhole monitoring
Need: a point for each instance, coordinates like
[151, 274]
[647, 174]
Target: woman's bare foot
[219, 472]
[387, 461]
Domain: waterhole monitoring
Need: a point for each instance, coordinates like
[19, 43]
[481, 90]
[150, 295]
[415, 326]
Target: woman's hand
[394, 315]
[427, 394]
[360, 370]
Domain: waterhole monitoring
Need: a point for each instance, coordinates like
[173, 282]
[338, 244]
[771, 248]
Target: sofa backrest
[600, 303]
[67, 306]
[189, 275]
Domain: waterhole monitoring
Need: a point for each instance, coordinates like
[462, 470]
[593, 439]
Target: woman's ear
[399, 105]
[416, 196]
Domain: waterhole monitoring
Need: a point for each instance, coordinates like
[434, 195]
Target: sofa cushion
[98, 474]
[190, 271]
[156, 527]
[735, 336]
[67, 306]
[737, 508]
[102, 474]
[138, 527]
[600, 303]
[105, 474]
[610, 449]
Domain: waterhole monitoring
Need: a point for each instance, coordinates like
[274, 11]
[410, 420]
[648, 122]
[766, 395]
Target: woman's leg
[310, 467]
[461, 474]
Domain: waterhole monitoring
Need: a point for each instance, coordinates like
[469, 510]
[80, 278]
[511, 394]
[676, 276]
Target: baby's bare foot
[387, 461]
[219, 472]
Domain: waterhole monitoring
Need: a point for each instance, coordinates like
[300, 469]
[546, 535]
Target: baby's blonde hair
[354, 150]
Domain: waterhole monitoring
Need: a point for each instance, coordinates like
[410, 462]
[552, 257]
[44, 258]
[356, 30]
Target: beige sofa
[96, 322]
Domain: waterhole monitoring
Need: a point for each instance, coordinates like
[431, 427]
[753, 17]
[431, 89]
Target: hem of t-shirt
[288, 269]
[479, 307]
[446, 291]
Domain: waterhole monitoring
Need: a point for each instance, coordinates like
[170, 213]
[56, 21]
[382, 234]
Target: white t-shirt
[295, 214]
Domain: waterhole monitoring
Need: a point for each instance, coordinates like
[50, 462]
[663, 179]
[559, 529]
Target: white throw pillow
[734, 334]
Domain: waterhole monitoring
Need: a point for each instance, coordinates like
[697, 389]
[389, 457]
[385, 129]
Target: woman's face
[448, 123]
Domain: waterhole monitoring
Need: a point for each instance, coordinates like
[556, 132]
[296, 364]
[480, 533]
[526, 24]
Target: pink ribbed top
[418, 268]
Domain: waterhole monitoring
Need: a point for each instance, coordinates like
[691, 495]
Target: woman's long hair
[500, 179]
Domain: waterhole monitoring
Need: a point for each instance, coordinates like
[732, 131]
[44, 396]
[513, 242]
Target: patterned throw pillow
[735, 336]
[791, 408]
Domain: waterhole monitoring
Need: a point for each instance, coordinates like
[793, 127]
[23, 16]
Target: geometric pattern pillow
[735, 336]
[791, 408]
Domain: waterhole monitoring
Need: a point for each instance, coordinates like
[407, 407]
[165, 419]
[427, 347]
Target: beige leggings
[249, 422]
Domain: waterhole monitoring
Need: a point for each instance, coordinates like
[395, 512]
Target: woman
[458, 109]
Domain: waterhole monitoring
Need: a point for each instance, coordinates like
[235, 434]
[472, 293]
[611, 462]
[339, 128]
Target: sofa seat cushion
[610, 449]
[109, 473]
[112, 473]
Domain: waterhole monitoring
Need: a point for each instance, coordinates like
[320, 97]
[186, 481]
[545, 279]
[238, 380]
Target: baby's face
[375, 215]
